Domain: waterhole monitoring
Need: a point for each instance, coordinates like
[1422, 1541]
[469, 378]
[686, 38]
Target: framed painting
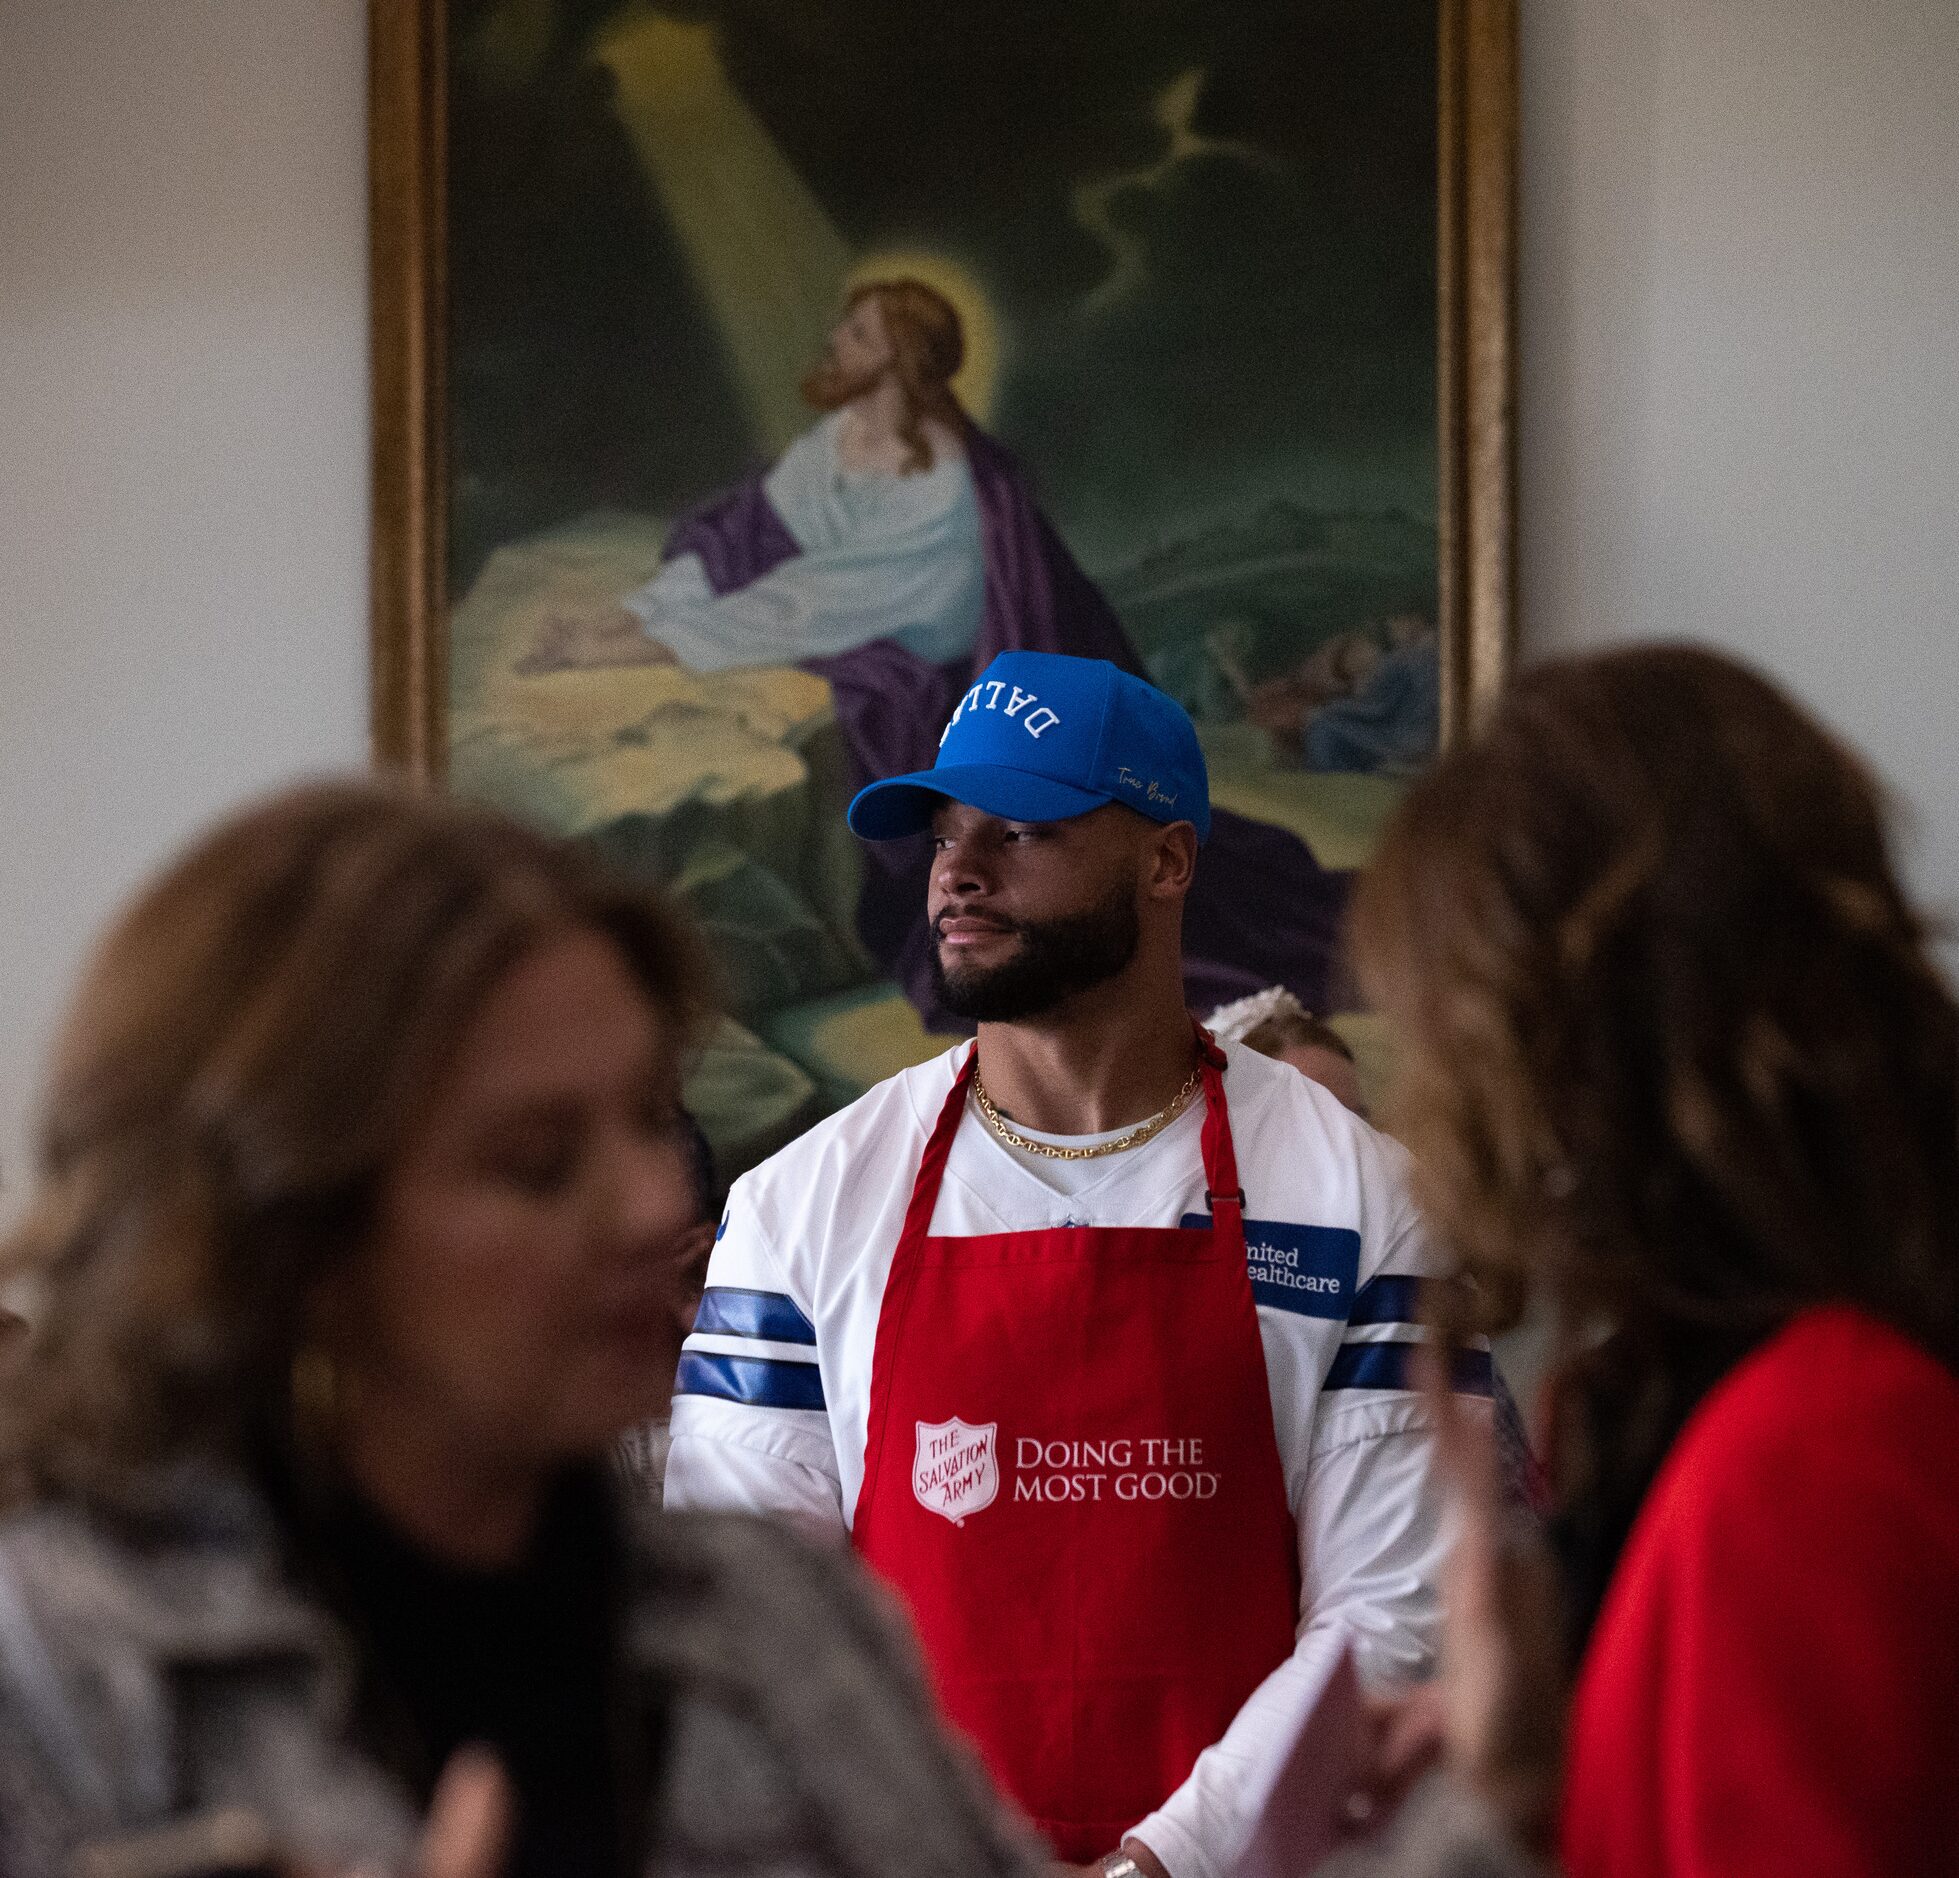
[746, 374]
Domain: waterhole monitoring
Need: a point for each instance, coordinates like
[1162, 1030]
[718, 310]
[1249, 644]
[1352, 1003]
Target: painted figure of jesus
[892, 550]
[877, 500]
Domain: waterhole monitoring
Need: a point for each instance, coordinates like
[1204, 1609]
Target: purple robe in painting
[1262, 911]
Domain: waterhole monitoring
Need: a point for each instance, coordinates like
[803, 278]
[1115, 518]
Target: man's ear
[1172, 861]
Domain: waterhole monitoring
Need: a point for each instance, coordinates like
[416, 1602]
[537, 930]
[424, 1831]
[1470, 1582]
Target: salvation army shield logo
[955, 1471]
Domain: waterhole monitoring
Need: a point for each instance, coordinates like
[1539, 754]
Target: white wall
[183, 533]
[1740, 397]
[1740, 344]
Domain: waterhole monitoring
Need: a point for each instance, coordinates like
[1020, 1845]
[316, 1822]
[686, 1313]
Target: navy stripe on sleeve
[755, 1381]
[1385, 1366]
[1389, 1299]
[732, 1311]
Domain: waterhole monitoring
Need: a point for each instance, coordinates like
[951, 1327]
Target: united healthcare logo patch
[956, 1470]
[1308, 1270]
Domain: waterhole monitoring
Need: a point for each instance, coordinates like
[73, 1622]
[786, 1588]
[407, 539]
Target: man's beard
[828, 387]
[1058, 958]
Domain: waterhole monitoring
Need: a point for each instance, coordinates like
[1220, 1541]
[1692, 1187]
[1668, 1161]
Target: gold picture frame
[1476, 371]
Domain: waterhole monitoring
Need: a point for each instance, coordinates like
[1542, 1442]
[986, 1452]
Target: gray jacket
[155, 1667]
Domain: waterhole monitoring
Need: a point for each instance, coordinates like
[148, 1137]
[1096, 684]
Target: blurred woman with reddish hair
[362, 1192]
[1680, 1073]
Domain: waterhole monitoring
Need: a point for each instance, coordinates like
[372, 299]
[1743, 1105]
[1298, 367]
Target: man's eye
[661, 1118]
[540, 1169]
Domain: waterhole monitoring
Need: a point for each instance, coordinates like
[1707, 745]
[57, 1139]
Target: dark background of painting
[1275, 372]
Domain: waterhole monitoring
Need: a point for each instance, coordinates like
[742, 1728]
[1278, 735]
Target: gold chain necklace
[1133, 1139]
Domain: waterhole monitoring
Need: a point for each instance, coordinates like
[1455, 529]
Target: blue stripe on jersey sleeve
[1389, 1299]
[732, 1311]
[1385, 1366]
[754, 1381]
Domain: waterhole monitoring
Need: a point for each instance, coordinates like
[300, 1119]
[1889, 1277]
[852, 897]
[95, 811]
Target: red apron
[1071, 1476]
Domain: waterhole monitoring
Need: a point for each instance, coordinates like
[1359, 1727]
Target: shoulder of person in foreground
[802, 1731]
[1835, 1378]
[1840, 1434]
[104, 1734]
[1779, 1652]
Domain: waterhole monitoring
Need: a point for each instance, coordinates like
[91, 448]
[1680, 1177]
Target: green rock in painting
[851, 1041]
[748, 1099]
[770, 948]
[725, 787]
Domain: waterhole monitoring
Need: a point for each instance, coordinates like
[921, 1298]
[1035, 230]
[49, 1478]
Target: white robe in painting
[883, 557]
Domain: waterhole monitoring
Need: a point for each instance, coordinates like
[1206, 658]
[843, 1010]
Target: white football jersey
[772, 1399]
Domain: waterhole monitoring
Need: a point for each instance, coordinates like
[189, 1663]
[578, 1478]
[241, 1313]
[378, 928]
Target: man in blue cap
[1090, 1336]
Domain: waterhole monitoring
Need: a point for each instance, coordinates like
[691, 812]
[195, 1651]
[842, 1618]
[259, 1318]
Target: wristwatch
[1120, 1865]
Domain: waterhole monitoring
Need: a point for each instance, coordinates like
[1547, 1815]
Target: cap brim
[905, 805]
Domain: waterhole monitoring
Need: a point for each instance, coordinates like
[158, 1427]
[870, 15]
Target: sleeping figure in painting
[893, 550]
[876, 503]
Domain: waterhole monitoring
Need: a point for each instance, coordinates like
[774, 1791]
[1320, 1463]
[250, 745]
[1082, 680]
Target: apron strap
[902, 1282]
[931, 1166]
[1221, 1186]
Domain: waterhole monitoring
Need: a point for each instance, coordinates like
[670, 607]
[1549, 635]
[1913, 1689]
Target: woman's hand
[1405, 1738]
[1147, 1863]
[604, 636]
[468, 1829]
[1495, 1713]
[1501, 1693]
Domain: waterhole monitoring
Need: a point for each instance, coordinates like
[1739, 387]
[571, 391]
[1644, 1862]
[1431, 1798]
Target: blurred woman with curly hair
[362, 1194]
[1681, 1074]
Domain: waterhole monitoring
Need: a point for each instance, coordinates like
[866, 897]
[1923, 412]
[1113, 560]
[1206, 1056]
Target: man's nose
[960, 867]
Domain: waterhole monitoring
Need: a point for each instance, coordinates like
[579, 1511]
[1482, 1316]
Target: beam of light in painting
[767, 260]
[979, 377]
[1095, 202]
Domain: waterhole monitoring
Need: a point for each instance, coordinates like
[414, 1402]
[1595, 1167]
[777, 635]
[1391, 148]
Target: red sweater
[1773, 1683]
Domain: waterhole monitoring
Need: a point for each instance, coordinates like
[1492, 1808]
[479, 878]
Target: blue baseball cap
[1042, 737]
